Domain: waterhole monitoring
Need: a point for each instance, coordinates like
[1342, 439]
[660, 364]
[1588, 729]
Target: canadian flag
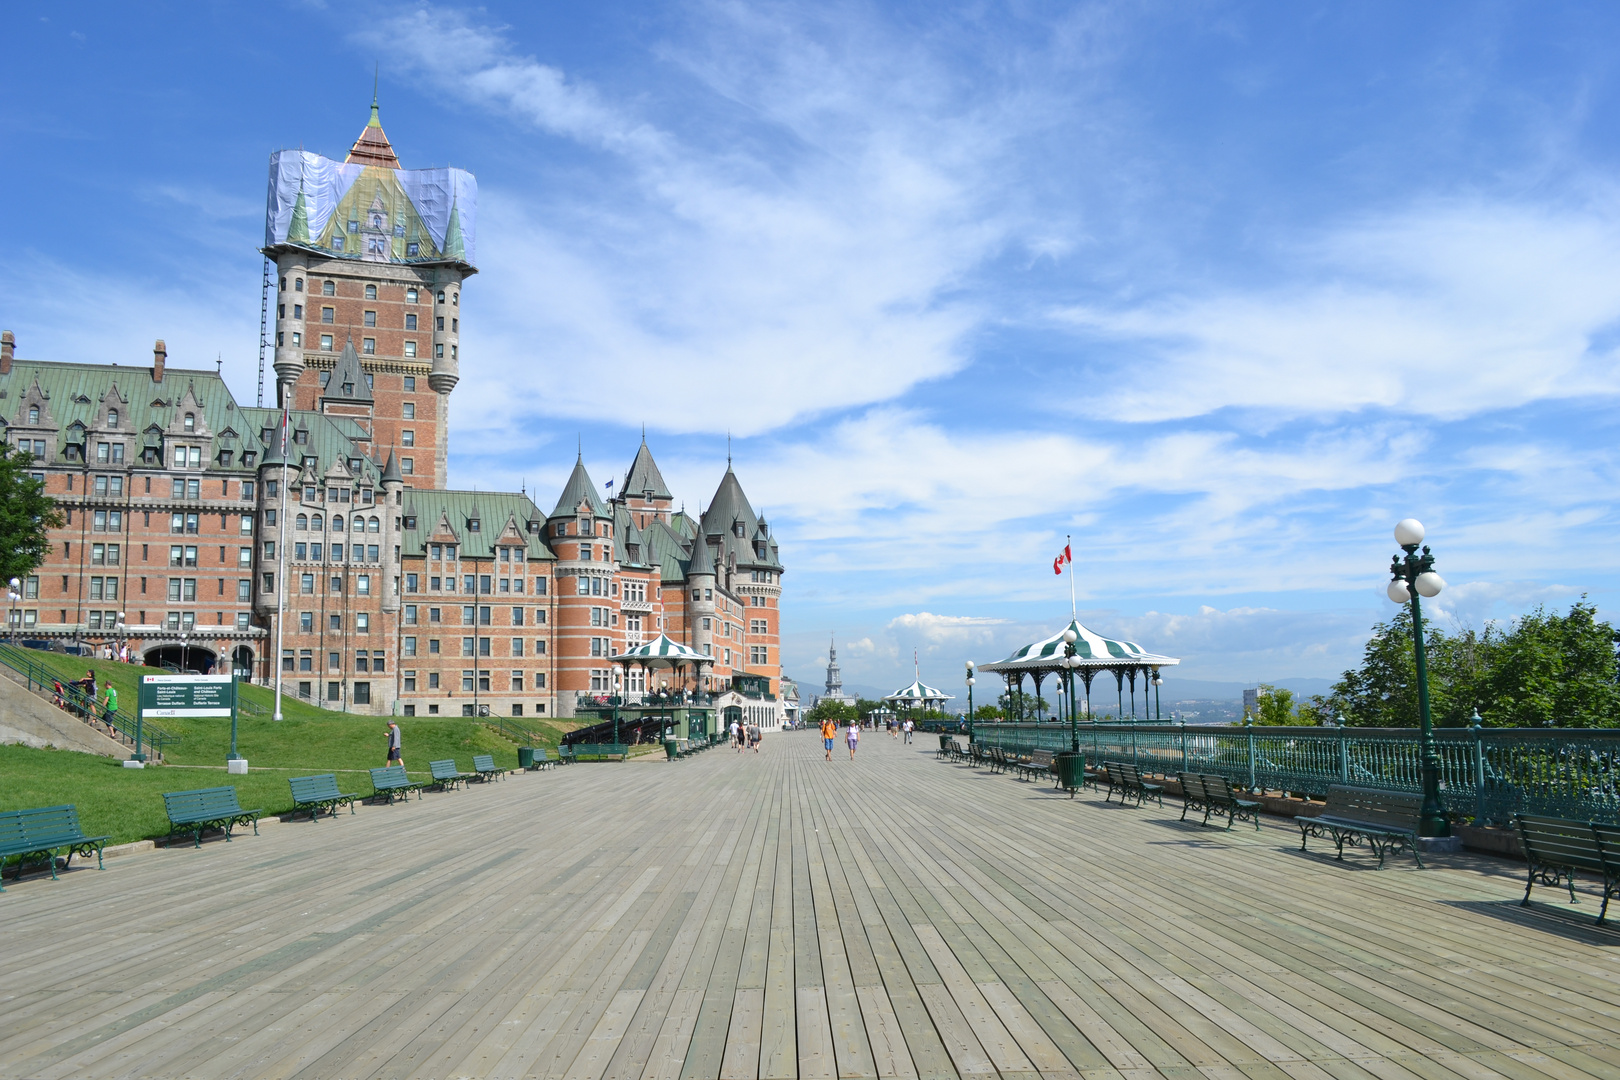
[1063, 557]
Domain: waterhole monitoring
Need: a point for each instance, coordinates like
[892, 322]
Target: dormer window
[348, 389]
[112, 418]
[472, 525]
[190, 422]
[33, 414]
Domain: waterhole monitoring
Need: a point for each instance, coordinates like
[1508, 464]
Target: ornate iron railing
[1488, 774]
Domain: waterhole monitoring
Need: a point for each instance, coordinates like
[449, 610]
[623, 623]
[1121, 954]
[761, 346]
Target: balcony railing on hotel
[1487, 774]
[655, 700]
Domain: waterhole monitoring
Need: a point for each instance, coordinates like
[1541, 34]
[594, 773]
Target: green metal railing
[1487, 774]
[515, 730]
[44, 678]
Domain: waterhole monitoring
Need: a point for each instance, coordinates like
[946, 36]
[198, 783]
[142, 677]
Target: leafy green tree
[828, 709]
[988, 712]
[1277, 708]
[26, 513]
[1543, 669]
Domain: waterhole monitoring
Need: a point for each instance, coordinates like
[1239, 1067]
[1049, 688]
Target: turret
[272, 474]
[700, 592]
[292, 270]
[393, 503]
[446, 371]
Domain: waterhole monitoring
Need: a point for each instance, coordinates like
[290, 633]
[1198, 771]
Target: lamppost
[1412, 577]
[14, 594]
[970, 681]
[120, 634]
[1070, 662]
[184, 642]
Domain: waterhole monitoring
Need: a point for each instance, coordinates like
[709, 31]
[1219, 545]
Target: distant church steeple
[835, 680]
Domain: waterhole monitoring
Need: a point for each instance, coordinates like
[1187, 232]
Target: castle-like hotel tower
[394, 593]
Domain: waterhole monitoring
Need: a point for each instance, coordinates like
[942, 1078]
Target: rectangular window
[410, 646]
[407, 437]
[362, 623]
[410, 684]
[433, 646]
[362, 584]
[517, 616]
[539, 680]
[306, 622]
[466, 646]
[517, 646]
[334, 690]
[326, 342]
[368, 345]
[408, 466]
[411, 583]
[370, 318]
[410, 346]
[334, 622]
[244, 589]
[467, 682]
[483, 647]
[306, 583]
[584, 586]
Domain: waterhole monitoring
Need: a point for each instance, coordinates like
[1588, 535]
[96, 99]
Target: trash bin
[671, 749]
[1071, 770]
[525, 757]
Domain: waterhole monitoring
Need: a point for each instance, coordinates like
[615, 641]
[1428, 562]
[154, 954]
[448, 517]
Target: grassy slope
[126, 803]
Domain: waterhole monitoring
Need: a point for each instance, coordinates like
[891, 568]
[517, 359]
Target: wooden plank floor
[775, 915]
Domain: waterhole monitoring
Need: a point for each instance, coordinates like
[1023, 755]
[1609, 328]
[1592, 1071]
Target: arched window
[359, 523]
[112, 417]
[33, 414]
[317, 522]
[373, 525]
[303, 522]
[190, 423]
[337, 522]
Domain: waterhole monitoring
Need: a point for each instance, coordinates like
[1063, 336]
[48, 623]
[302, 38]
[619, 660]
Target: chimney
[8, 347]
[160, 356]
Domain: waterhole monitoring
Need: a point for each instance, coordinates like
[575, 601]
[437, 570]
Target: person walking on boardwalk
[909, 726]
[829, 732]
[754, 736]
[853, 736]
[396, 756]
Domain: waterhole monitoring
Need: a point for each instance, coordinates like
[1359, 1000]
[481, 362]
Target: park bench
[1555, 849]
[1387, 820]
[484, 769]
[390, 780]
[997, 759]
[565, 754]
[1037, 765]
[317, 793]
[446, 774]
[1127, 780]
[600, 752]
[542, 760]
[207, 808]
[1213, 795]
[41, 833]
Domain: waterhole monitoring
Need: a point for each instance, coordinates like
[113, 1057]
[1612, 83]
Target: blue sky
[1220, 290]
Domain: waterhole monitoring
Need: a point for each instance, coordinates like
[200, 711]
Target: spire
[298, 230]
[391, 473]
[376, 76]
[701, 561]
[644, 476]
[579, 488]
[373, 147]
[348, 381]
[454, 246]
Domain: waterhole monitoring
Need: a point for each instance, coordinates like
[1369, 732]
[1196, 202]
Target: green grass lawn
[127, 803]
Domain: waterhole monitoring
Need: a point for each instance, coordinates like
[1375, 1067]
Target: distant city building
[834, 690]
[399, 595]
[1251, 703]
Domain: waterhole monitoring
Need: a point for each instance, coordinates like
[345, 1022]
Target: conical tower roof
[702, 561]
[729, 505]
[580, 488]
[391, 473]
[348, 381]
[373, 147]
[298, 231]
[644, 477]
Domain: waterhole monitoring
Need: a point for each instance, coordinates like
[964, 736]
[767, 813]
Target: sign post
[192, 695]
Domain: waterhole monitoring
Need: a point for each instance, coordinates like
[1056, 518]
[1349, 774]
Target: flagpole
[1074, 610]
[281, 571]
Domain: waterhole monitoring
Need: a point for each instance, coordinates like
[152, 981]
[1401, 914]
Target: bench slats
[390, 780]
[41, 832]
[1556, 848]
[317, 793]
[1213, 794]
[484, 768]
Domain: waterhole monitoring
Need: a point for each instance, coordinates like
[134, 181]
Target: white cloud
[1441, 311]
[945, 629]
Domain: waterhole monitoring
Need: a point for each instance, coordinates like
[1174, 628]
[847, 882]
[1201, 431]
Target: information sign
[188, 695]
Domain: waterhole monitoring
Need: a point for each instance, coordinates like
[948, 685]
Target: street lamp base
[1440, 845]
[131, 763]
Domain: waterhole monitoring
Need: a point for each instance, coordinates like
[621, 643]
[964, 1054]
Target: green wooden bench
[390, 781]
[600, 751]
[565, 754]
[207, 808]
[1128, 781]
[1037, 765]
[1214, 795]
[1387, 820]
[484, 769]
[41, 833]
[317, 793]
[1556, 849]
[446, 775]
[542, 760]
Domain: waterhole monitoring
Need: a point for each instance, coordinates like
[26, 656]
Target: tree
[988, 712]
[828, 709]
[26, 515]
[1277, 708]
[1543, 669]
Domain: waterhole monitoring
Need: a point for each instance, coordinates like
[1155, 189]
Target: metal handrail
[42, 678]
[1487, 774]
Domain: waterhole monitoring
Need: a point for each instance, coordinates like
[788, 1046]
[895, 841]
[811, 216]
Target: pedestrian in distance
[110, 707]
[829, 732]
[909, 727]
[396, 755]
[853, 736]
[754, 736]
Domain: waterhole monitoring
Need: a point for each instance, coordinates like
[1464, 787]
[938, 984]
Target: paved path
[778, 916]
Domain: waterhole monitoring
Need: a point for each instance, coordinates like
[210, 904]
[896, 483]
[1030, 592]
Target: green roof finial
[375, 121]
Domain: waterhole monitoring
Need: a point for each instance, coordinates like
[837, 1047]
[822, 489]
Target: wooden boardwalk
[776, 916]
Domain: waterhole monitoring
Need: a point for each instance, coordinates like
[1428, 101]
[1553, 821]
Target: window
[362, 623]
[408, 466]
[112, 418]
[367, 346]
[334, 690]
[371, 290]
[756, 654]
[410, 296]
[334, 622]
[407, 437]
[517, 646]
[411, 581]
[362, 584]
[410, 322]
[410, 348]
[410, 410]
[328, 288]
[362, 693]
[370, 317]
[517, 616]
[306, 622]
[758, 626]
[409, 646]
[306, 583]
[466, 646]
[243, 588]
[410, 684]
[326, 342]
[410, 388]
[539, 680]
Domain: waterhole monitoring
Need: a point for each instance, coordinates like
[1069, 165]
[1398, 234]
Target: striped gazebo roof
[918, 693]
[662, 650]
[1092, 649]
